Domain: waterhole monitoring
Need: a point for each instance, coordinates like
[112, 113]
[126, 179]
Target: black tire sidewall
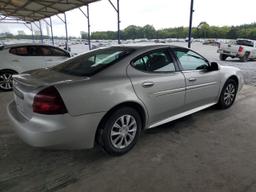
[106, 140]
[221, 100]
[223, 57]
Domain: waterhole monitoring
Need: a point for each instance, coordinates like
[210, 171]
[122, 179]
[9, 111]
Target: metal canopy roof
[35, 10]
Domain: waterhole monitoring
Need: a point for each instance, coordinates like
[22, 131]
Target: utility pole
[190, 23]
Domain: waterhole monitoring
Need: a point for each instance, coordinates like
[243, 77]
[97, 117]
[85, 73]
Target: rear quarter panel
[100, 93]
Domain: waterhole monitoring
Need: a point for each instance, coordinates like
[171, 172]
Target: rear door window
[158, 61]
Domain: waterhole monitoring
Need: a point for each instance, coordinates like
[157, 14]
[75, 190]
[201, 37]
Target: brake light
[241, 49]
[48, 101]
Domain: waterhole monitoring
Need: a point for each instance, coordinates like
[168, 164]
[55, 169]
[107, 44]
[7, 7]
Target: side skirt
[178, 116]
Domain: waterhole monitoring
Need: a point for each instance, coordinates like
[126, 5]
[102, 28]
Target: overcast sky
[159, 13]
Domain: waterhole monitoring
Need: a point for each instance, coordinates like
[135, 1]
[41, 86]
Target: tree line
[203, 30]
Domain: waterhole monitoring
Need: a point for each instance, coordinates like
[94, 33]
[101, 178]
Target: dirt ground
[210, 151]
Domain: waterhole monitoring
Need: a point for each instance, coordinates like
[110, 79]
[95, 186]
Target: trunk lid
[28, 84]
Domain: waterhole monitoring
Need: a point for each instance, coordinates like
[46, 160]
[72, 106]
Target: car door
[158, 84]
[55, 56]
[202, 85]
[26, 58]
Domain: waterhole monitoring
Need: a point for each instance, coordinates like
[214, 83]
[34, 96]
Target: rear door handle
[192, 79]
[148, 84]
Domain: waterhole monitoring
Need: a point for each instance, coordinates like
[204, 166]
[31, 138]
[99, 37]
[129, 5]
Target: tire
[228, 94]
[6, 79]
[223, 57]
[245, 58]
[116, 137]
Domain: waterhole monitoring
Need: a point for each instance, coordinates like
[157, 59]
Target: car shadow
[177, 126]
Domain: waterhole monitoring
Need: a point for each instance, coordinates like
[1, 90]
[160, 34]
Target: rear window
[91, 63]
[245, 43]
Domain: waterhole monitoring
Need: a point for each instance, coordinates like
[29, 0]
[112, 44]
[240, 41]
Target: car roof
[149, 46]
[27, 44]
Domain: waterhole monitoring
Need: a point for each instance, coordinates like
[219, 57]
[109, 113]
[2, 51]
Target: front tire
[228, 94]
[121, 131]
[6, 80]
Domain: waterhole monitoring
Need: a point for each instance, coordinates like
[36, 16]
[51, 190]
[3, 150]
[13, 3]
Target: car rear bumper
[56, 131]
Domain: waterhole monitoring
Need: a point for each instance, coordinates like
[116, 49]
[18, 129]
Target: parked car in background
[212, 42]
[108, 96]
[18, 58]
[244, 49]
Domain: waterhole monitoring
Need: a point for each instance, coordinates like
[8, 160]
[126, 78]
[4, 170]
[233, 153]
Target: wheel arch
[235, 78]
[12, 70]
[135, 105]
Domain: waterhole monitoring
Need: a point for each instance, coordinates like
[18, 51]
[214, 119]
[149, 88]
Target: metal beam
[190, 23]
[51, 31]
[88, 25]
[66, 29]
[41, 32]
[117, 9]
[32, 32]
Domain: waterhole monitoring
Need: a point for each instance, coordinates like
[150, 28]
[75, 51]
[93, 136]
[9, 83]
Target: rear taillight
[48, 101]
[241, 49]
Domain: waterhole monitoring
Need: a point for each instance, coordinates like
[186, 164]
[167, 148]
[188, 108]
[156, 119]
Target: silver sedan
[108, 96]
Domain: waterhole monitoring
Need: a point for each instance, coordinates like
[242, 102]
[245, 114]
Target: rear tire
[6, 79]
[121, 131]
[245, 58]
[223, 57]
[228, 94]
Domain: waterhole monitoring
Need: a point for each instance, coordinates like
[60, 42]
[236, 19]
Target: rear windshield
[91, 63]
[244, 43]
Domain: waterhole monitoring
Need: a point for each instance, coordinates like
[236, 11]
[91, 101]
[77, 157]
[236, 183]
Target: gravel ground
[213, 151]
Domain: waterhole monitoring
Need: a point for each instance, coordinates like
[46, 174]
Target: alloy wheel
[123, 131]
[229, 94]
[6, 81]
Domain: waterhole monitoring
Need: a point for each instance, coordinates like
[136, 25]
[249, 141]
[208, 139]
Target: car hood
[46, 77]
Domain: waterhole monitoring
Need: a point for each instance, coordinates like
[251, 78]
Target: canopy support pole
[117, 9]
[29, 26]
[41, 32]
[50, 25]
[51, 31]
[190, 23]
[88, 25]
[66, 28]
[32, 32]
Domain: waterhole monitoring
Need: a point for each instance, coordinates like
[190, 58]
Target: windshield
[91, 63]
[244, 43]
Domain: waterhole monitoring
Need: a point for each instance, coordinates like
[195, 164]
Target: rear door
[158, 84]
[202, 86]
[26, 58]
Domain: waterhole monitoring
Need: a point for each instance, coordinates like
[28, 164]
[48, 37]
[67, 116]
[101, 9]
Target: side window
[45, 51]
[190, 60]
[157, 62]
[58, 52]
[21, 51]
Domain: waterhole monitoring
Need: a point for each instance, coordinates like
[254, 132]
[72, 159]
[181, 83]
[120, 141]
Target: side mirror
[213, 66]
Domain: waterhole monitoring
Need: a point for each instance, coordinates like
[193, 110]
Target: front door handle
[192, 79]
[148, 84]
